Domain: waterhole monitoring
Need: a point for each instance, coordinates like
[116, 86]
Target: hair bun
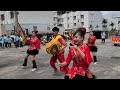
[84, 30]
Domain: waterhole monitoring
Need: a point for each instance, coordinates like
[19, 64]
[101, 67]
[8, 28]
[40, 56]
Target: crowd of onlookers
[8, 41]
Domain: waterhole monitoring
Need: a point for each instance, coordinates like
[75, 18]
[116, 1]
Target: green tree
[112, 25]
[97, 27]
[104, 22]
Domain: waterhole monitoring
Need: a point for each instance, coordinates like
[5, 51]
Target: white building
[112, 19]
[57, 18]
[75, 19]
[42, 20]
[26, 17]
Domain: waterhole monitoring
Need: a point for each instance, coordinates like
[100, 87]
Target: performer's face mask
[77, 39]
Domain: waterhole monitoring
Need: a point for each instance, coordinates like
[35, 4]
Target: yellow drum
[53, 46]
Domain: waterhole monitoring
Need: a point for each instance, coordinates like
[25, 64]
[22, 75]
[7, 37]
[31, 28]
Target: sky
[111, 13]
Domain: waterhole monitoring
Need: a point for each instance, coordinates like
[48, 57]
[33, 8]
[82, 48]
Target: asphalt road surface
[11, 59]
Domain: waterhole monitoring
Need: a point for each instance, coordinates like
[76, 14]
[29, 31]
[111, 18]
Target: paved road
[11, 59]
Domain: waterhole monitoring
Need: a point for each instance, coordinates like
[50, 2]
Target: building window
[60, 25]
[74, 24]
[82, 16]
[62, 19]
[59, 13]
[34, 27]
[67, 11]
[74, 17]
[54, 18]
[11, 15]
[67, 18]
[17, 13]
[68, 25]
[82, 23]
[2, 17]
[58, 20]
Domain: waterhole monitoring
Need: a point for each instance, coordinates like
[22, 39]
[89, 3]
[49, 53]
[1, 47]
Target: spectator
[6, 41]
[9, 41]
[103, 36]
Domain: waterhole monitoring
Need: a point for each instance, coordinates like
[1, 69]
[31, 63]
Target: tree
[118, 22]
[97, 27]
[112, 24]
[104, 21]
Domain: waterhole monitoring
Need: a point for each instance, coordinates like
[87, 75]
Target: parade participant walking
[92, 46]
[60, 55]
[33, 50]
[9, 41]
[79, 53]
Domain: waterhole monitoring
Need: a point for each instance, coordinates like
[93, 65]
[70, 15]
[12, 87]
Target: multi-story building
[112, 19]
[89, 19]
[40, 20]
[57, 18]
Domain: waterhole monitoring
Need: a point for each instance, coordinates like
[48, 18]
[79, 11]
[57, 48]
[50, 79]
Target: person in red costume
[71, 37]
[92, 46]
[33, 50]
[79, 53]
[60, 55]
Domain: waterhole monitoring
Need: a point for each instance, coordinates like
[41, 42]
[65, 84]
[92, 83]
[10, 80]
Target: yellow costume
[54, 45]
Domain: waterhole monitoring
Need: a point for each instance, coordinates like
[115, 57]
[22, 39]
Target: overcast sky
[111, 12]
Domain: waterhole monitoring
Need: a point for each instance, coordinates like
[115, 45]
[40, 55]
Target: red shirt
[62, 41]
[89, 43]
[34, 43]
[81, 68]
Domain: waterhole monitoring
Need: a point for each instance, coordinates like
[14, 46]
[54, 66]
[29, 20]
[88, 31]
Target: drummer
[60, 54]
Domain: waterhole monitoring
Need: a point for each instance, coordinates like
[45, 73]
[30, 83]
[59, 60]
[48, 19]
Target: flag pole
[16, 23]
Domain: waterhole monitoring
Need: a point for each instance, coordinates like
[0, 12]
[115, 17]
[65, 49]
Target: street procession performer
[92, 46]
[79, 53]
[71, 35]
[33, 50]
[56, 48]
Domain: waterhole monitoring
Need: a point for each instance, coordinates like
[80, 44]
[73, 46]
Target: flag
[22, 33]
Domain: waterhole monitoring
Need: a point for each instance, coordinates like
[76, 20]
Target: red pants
[61, 59]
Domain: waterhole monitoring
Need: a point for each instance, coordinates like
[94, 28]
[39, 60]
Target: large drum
[53, 46]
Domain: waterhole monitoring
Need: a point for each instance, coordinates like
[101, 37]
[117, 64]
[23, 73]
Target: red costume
[34, 43]
[81, 68]
[32, 50]
[89, 43]
[71, 37]
[60, 57]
